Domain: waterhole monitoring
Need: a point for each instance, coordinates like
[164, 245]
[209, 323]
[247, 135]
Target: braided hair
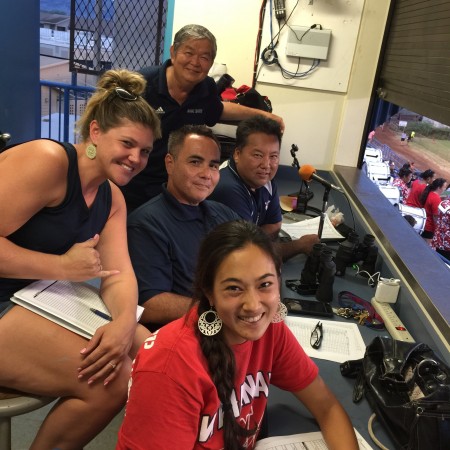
[218, 245]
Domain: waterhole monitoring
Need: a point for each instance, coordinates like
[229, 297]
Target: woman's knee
[114, 394]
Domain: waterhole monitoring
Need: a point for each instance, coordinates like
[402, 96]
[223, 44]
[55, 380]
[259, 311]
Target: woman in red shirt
[417, 187]
[430, 200]
[202, 381]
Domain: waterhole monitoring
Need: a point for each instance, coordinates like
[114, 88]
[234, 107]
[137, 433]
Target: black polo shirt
[202, 107]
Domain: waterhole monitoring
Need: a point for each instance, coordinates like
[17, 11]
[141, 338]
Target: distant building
[408, 116]
[54, 66]
[54, 35]
[435, 123]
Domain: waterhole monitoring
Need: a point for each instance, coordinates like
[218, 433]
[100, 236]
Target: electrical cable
[271, 44]
[289, 75]
[371, 281]
[299, 39]
[269, 56]
[372, 434]
[262, 13]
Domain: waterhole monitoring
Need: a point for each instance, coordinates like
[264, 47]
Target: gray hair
[193, 31]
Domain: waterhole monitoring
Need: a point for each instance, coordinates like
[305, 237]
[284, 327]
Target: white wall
[326, 126]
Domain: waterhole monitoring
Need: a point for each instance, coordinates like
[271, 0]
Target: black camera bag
[247, 96]
[408, 387]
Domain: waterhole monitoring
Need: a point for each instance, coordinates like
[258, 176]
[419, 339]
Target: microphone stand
[324, 209]
[303, 196]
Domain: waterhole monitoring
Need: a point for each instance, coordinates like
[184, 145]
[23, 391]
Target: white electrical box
[307, 42]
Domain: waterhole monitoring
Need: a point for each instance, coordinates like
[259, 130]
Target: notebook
[67, 304]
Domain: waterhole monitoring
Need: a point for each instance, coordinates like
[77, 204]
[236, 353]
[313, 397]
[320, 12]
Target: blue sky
[56, 5]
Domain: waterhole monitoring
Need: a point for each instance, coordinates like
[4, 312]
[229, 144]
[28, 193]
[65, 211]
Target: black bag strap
[393, 357]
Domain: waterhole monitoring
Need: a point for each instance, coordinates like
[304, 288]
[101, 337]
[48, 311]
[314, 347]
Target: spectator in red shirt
[430, 200]
[417, 187]
[210, 372]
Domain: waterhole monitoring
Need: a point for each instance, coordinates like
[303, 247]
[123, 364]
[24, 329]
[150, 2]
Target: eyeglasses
[123, 94]
[316, 336]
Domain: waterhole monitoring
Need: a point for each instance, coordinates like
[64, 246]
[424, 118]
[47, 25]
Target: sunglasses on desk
[316, 336]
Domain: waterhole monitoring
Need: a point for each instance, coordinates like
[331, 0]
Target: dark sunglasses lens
[125, 95]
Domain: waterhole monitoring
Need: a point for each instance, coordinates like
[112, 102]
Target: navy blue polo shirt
[203, 106]
[164, 237]
[260, 206]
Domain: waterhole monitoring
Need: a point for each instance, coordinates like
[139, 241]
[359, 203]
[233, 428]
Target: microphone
[308, 173]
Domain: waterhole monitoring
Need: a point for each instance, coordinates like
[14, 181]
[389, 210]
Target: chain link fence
[108, 34]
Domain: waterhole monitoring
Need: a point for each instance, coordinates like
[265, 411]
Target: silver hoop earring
[281, 313]
[91, 151]
[209, 323]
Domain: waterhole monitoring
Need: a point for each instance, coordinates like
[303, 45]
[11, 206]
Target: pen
[42, 290]
[101, 314]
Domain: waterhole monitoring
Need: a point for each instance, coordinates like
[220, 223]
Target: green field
[439, 147]
[428, 139]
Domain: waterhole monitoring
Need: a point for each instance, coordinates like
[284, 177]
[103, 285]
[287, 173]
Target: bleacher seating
[392, 193]
[378, 172]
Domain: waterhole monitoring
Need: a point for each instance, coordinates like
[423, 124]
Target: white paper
[311, 226]
[304, 441]
[341, 340]
[66, 303]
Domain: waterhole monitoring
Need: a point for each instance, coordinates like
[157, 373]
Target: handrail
[67, 95]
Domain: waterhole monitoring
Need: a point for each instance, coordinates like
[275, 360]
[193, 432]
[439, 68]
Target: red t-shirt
[173, 402]
[417, 188]
[431, 207]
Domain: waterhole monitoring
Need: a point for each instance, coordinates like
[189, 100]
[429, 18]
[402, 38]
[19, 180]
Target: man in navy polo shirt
[164, 234]
[246, 182]
[181, 92]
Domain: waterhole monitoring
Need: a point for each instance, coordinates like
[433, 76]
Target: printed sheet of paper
[311, 226]
[66, 303]
[341, 340]
[304, 441]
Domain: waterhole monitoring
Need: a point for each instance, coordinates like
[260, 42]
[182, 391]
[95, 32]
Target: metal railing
[61, 106]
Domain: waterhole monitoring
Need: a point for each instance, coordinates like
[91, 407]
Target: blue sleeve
[213, 107]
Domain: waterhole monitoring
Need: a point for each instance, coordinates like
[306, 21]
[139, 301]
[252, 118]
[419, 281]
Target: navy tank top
[55, 230]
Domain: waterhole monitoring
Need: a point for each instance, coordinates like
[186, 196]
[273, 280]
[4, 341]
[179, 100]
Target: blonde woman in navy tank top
[63, 217]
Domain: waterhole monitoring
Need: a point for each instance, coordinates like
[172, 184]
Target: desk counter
[285, 414]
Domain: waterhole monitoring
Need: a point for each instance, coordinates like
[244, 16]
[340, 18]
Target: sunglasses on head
[123, 94]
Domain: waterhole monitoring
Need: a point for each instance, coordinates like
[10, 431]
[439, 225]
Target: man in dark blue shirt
[246, 182]
[181, 92]
[164, 234]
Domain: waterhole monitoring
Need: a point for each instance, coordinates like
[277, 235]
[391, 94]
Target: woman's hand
[82, 262]
[106, 351]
